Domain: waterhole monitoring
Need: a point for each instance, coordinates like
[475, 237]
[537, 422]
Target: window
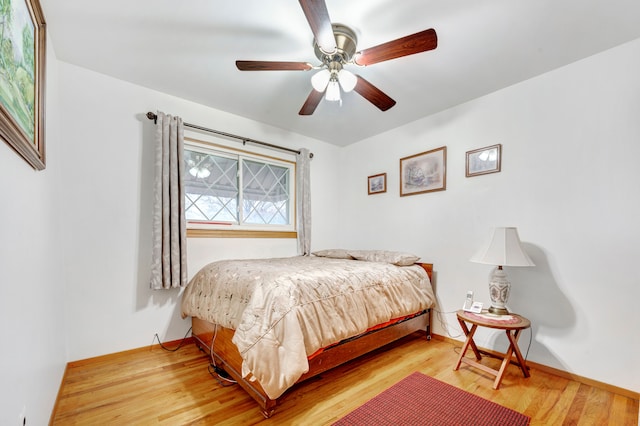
[229, 190]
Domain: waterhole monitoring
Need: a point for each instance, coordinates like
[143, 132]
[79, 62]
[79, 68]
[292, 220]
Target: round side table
[512, 324]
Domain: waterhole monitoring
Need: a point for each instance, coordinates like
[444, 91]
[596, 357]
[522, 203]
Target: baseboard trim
[170, 344]
[555, 371]
[55, 404]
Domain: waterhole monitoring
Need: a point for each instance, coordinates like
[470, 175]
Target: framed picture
[22, 41]
[424, 172]
[377, 184]
[484, 160]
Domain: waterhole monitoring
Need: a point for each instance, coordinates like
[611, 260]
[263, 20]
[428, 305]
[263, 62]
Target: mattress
[285, 309]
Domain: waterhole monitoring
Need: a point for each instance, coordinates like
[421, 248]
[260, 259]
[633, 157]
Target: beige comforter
[285, 309]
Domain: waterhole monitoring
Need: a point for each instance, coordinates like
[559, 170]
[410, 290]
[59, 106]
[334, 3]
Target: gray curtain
[169, 257]
[303, 202]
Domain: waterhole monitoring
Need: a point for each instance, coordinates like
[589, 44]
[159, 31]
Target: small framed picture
[484, 160]
[377, 184]
[424, 172]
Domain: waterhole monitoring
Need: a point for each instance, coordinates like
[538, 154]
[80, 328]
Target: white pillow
[333, 253]
[394, 257]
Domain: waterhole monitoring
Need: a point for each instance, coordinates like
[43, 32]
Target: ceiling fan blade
[373, 94]
[273, 66]
[320, 23]
[311, 103]
[409, 45]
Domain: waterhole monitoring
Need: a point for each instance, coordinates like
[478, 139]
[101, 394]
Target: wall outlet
[23, 416]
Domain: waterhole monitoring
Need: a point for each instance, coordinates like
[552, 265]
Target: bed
[272, 323]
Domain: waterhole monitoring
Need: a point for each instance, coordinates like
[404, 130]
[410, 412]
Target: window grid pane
[265, 193]
[214, 189]
[211, 187]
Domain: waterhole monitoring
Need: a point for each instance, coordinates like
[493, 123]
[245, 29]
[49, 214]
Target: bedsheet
[284, 309]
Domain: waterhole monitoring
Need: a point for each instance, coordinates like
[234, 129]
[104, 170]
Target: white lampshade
[320, 80]
[503, 249]
[347, 80]
[333, 91]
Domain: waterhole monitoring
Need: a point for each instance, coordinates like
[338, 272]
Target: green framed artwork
[22, 64]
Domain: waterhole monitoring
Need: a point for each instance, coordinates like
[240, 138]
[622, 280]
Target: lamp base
[498, 311]
[499, 289]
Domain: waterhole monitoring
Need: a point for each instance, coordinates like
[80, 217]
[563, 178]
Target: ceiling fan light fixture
[199, 172]
[333, 91]
[320, 80]
[347, 80]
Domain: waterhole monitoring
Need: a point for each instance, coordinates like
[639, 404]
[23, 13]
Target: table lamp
[503, 249]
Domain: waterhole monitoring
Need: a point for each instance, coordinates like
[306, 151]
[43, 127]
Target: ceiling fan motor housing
[346, 41]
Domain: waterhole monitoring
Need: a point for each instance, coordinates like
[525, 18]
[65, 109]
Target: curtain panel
[169, 255]
[303, 201]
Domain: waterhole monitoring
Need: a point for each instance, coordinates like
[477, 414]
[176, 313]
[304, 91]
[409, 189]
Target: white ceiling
[188, 49]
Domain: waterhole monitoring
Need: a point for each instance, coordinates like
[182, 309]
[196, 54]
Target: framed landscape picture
[424, 172]
[22, 66]
[377, 184]
[484, 160]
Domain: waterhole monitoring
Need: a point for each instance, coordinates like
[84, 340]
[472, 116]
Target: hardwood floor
[154, 386]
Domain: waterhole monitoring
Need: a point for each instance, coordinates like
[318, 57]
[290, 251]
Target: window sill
[227, 233]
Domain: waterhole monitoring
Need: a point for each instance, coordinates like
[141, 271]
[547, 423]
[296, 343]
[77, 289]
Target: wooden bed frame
[216, 342]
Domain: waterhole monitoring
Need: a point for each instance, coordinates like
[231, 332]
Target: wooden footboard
[216, 342]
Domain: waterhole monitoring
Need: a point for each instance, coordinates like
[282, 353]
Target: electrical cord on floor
[218, 373]
[444, 324]
[526, 355]
[221, 376]
[184, 339]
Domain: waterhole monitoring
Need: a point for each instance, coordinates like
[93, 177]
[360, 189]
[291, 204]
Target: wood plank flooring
[156, 387]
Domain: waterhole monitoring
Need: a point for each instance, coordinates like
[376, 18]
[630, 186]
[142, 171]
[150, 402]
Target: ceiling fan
[335, 46]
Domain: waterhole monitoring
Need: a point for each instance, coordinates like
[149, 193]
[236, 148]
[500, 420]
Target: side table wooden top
[501, 322]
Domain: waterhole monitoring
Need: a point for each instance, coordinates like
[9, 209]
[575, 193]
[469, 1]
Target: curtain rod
[154, 117]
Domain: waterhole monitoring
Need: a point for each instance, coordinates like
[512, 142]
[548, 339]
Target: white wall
[569, 182]
[32, 327]
[107, 199]
[75, 238]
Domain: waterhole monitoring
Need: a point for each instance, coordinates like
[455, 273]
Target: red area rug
[422, 400]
